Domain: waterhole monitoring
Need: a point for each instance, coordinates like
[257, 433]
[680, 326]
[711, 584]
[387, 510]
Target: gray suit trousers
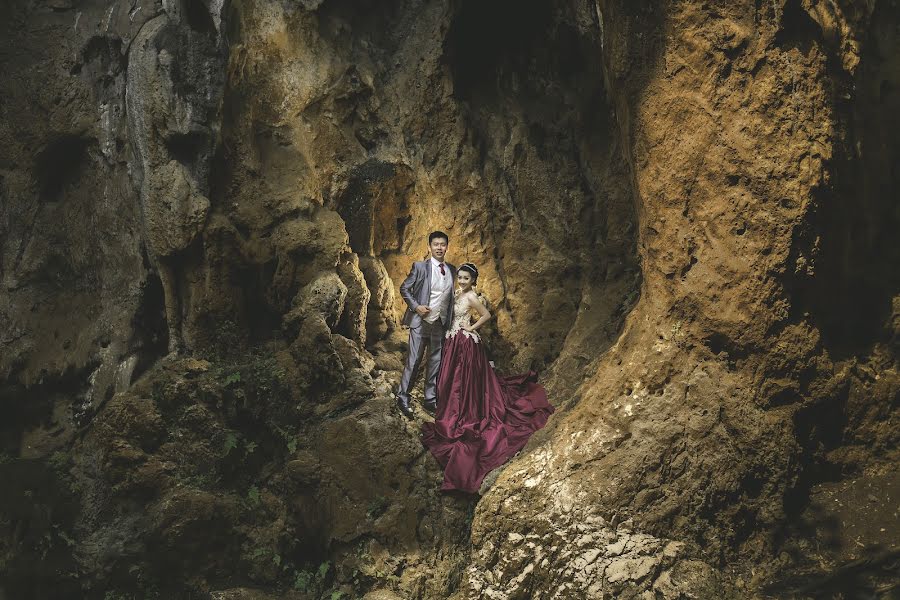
[432, 336]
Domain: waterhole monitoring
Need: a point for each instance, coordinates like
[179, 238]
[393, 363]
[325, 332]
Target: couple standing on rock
[481, 418]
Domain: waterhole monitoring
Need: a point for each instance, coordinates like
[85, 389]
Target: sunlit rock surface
[684, 215]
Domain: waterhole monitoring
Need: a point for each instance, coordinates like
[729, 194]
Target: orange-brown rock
[684, 215]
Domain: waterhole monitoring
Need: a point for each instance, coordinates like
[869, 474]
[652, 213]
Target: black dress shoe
[403, 405]
[430, 406]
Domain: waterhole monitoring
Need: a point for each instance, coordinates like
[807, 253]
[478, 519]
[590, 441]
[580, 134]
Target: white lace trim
[461, 317]
[469, 334]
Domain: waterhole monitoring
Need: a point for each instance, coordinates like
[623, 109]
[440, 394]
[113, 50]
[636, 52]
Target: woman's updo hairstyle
[471, 270]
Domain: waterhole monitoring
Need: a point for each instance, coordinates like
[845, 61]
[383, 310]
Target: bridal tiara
[469, 267]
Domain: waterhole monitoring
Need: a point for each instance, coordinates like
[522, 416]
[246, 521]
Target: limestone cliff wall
[684, 214]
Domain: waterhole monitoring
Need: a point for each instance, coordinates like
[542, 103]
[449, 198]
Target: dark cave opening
[60, 165]
[490, 42]
[197, 16]
[187, 148]
[357, 204]
[797, 29]
[374, 205]
[105, 54]
[150, 335]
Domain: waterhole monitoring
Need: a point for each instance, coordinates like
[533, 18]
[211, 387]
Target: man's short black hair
[437, 234]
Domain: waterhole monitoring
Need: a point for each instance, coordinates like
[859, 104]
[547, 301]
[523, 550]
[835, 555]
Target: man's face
[438, 248]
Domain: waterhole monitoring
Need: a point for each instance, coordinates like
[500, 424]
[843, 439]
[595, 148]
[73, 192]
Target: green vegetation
[253, 496]
[323, 570]
[231, 442]
[377, 507]
[307, 581]
[302, 581]
[58, 461]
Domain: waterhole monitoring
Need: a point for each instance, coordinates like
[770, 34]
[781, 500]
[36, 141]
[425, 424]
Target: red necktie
[442, 269]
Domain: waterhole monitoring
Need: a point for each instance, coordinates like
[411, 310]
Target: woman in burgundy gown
[482, 418]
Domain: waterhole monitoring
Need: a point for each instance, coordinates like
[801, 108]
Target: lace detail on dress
[461, 316]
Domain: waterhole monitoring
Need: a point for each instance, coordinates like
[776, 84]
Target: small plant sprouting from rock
[231, 442]
[291, 441]
[307, 581]
[253, 496]
[377, 507]
[302, 581]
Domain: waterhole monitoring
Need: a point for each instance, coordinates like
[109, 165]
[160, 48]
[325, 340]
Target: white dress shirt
[441, 286]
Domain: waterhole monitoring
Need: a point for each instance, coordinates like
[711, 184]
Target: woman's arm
[475, 303]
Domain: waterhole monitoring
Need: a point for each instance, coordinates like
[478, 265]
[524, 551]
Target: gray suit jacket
[416, 290]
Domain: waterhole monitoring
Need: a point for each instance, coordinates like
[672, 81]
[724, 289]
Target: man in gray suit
[428, 292]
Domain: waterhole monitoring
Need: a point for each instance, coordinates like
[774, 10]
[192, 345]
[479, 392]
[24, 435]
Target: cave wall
[683, 215]
[412, 127]
[74, 275]
[731, 392]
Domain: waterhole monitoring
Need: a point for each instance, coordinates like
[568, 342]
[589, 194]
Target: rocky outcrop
[728, 395]
[682, 214]
[173, 96]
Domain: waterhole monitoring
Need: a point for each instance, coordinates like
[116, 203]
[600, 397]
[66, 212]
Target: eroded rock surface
[683, 213]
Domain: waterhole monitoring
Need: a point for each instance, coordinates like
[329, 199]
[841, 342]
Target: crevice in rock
[490, 45]
[104, 57]
[60, 164]
[188, 148]
[797, 29]
[197, 16]
[849, 249]
[150, 335]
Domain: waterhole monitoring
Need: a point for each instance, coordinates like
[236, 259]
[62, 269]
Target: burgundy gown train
[482, 418]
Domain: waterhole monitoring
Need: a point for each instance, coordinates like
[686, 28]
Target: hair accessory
[469, 267]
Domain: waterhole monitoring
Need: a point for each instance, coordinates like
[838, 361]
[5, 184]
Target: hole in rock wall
[187, 148]
[492, 43]
[102, 55]
[150, 335]
[371, 204]
[797, 28]
[374, 206]
[59, 166]
[197, 16]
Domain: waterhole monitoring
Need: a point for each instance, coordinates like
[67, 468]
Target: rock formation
[173, 92]
[684, 215]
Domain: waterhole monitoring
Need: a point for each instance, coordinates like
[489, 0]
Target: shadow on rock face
[212, 468]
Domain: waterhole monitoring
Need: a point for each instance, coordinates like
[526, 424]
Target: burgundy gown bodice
[482, 418]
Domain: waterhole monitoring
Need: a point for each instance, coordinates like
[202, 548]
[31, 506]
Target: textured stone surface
[729, 392]
[684, 215]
